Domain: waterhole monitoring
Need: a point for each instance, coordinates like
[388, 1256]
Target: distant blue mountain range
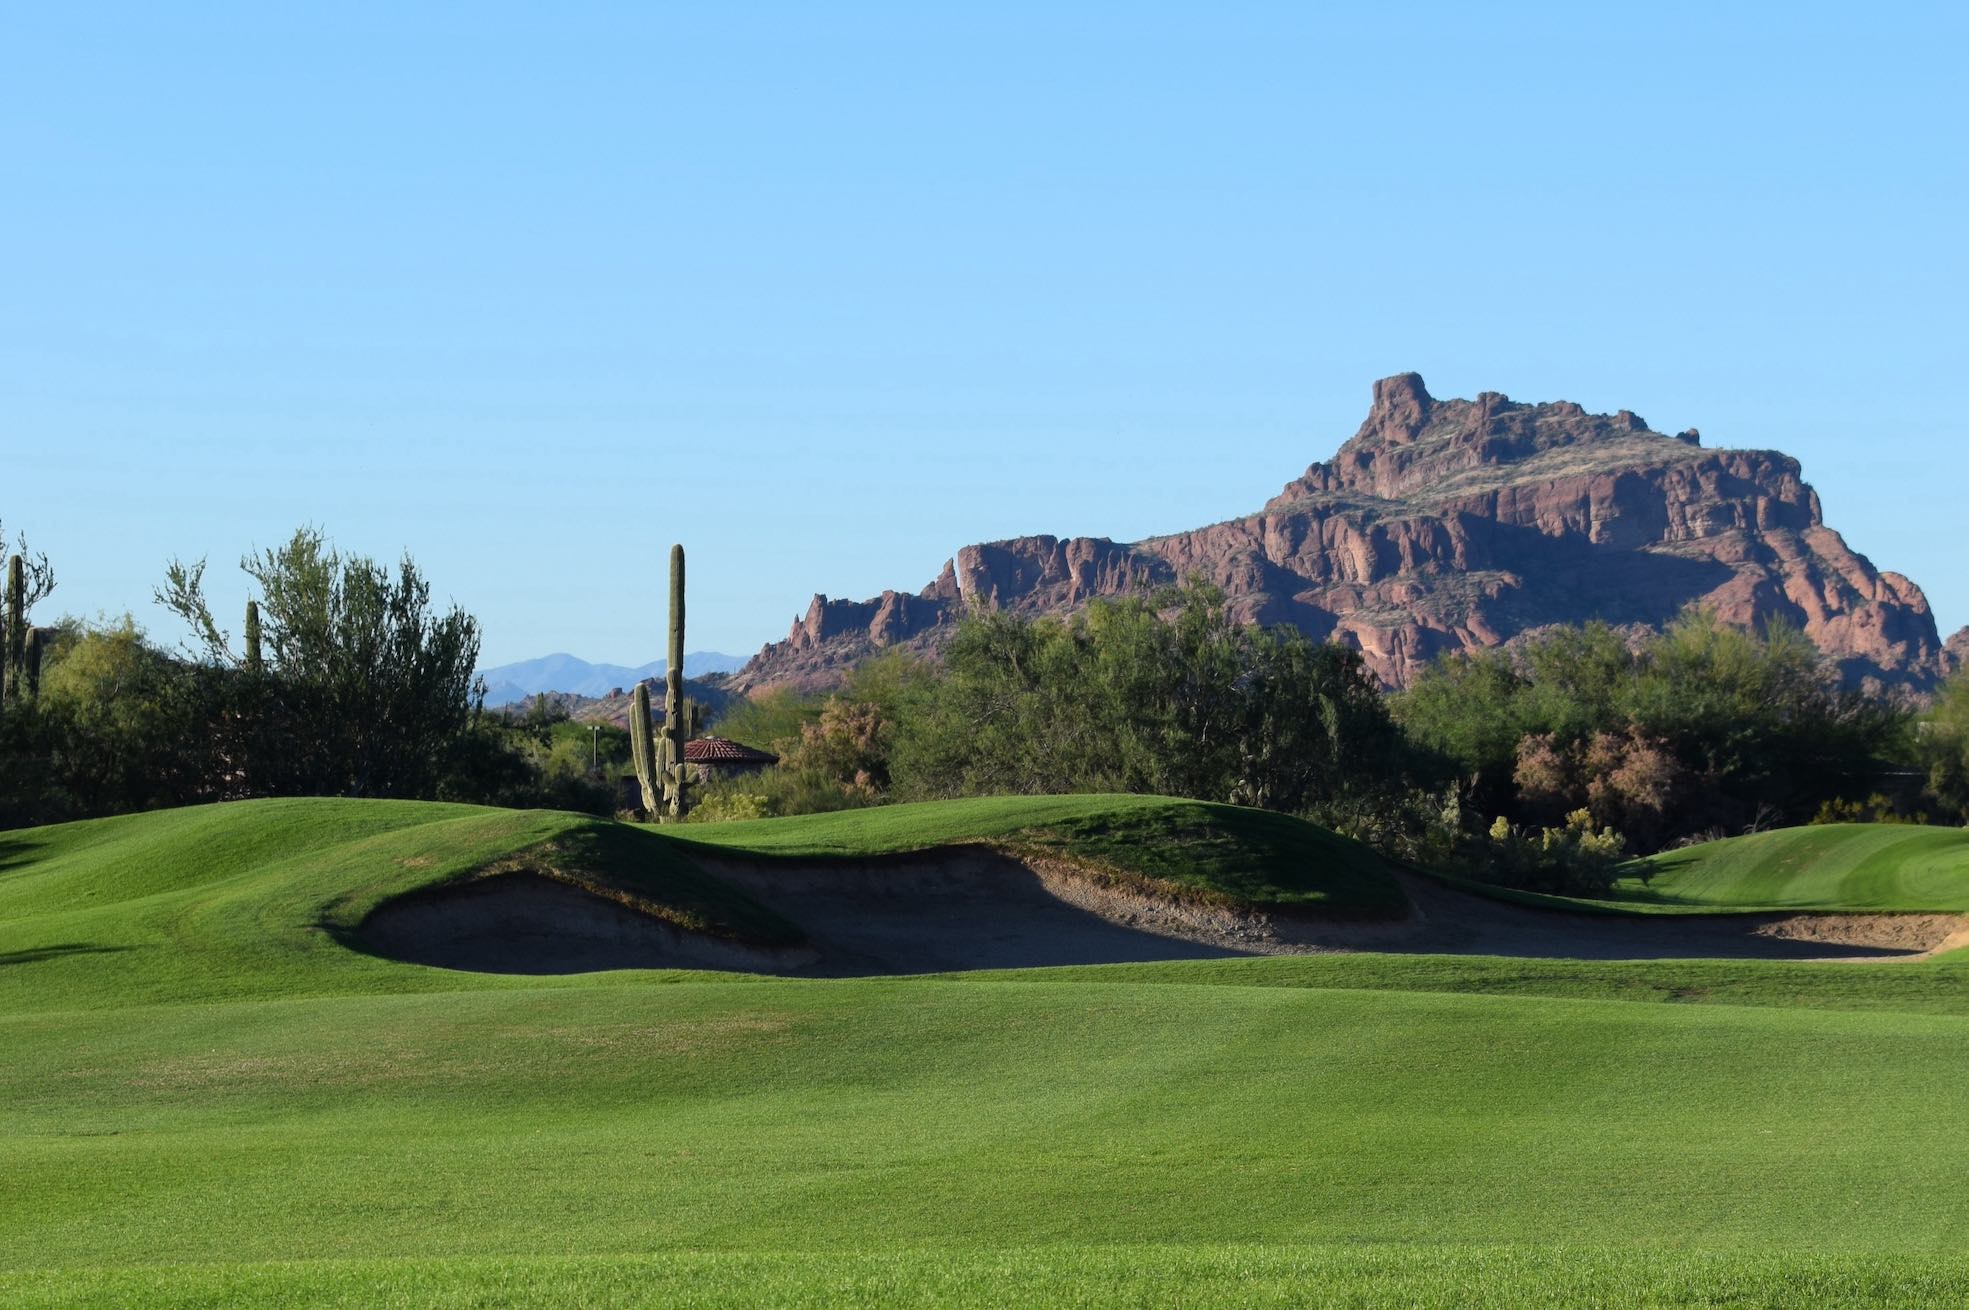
[515, 682]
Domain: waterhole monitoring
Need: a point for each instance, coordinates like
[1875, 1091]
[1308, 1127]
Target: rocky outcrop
[1957, 651]
[1451, 525]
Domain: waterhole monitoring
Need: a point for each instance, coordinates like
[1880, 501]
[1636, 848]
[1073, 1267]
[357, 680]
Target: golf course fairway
[215, 1093]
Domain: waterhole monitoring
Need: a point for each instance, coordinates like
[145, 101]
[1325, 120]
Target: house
[713, 758]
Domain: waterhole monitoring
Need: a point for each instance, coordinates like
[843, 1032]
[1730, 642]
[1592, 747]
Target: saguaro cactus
[253, 661]
[676, 719]
[32, 663]
[14, 675]
[642, 749]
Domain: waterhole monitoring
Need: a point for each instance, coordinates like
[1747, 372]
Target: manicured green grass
[1248, 1277]
[207, 1098]
[262, 897]
[1836, 867]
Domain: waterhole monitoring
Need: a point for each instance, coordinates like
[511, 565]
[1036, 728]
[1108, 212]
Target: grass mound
[1219, 854]
[1835, 868]
[265, 897]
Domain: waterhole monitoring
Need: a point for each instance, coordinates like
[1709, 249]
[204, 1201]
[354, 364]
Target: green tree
[1943, 745]
[1170, 695]
[370, 686]
[122, 725]
[1696, 727]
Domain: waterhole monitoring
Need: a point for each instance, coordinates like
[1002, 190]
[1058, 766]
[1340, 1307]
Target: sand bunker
[529, 923]
[974, 908]
[1453, 922]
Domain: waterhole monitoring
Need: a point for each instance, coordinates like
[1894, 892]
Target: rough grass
[206, 1098]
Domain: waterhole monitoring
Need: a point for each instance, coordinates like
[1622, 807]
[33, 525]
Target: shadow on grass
[36, 954]
[16, 851]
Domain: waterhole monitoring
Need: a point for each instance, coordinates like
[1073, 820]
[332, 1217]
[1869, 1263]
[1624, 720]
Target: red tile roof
[716, 750]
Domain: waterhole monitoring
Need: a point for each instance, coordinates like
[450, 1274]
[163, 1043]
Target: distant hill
[1450, 525]
[508, 683]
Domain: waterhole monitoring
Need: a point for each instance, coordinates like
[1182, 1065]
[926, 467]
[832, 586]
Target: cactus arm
[641, 748]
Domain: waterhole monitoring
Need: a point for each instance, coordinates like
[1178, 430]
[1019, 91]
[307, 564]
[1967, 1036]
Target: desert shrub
[1576, 858]
[1623, 779]
[718, 804]
[1415, 826]
[777, 792]
[1877, 808]
[849, 744]
[523, 765]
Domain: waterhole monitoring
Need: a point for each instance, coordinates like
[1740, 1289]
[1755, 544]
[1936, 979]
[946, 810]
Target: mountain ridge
[562, 672]
[1454, 524]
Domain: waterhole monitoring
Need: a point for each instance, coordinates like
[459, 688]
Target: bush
[1577, 859]
[1877, 808]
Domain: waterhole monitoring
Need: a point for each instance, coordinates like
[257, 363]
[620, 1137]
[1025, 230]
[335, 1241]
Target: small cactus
[641, 749]
[253, 660]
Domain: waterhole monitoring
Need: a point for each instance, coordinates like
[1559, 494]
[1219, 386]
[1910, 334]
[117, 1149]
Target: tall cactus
[642, 749]
[14, 675]
[676, 718]
[253, 659]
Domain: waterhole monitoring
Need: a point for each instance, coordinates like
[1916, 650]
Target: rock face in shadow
[1454, 525]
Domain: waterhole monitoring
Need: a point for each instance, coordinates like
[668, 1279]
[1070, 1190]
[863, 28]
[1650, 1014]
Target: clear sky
[826, 291]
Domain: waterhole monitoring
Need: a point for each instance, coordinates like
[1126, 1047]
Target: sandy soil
[974, 908]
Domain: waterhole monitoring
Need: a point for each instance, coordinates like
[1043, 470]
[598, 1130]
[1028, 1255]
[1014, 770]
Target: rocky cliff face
[1452, 525]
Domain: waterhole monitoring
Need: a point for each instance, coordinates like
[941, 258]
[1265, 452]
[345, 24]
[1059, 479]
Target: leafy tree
[1170, 695]
[1943, 745]
[1468, 713]
[369, 686]
[770, 720]
[120, 726]
[1696, 727]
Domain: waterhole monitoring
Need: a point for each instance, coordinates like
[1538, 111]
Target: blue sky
[828, 291]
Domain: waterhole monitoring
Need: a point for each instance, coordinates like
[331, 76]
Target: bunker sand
[975, 907]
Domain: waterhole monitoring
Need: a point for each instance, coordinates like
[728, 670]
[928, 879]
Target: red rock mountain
[1452, 525]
